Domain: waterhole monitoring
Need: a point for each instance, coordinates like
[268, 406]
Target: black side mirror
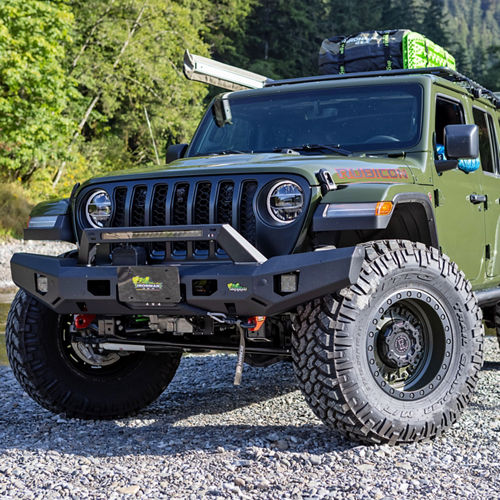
[461, 141]
[176, 151]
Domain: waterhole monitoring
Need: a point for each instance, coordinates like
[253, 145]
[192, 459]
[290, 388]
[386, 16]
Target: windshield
[364, 118]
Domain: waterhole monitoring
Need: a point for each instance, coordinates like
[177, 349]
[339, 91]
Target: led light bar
[153, 235]
[203, 69]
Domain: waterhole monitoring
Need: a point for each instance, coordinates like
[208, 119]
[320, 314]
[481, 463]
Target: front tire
[393, 358]
[58, 375]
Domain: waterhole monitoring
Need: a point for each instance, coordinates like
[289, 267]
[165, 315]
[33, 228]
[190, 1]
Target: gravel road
[206, 438]
[7, 248]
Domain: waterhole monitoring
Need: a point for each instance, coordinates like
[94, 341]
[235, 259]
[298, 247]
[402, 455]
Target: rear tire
[56, 376]
[393, 358]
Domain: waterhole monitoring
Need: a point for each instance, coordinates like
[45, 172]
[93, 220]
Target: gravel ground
[7, 248]
[206, 438]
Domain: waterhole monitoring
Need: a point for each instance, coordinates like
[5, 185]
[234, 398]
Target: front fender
[353, 207]
[51, 220]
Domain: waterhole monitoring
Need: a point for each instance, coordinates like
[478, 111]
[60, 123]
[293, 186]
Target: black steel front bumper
[247, 284]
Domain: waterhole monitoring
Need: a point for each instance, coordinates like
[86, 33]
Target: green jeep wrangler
[342, 222]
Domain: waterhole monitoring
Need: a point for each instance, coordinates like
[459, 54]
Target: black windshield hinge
[326, 181]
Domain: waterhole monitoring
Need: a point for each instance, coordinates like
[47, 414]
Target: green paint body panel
[469, 233]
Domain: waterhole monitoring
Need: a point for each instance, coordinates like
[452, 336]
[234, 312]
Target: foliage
[491, 78]
[14, 209]
[476, 27]
[282, 37]
[142, 75]
[77, 77]
[34, 87]
[225, 27]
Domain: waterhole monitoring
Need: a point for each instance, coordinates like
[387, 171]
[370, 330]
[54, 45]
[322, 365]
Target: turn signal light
[383, 208]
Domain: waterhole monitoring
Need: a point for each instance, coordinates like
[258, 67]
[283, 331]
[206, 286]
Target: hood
[343, 169]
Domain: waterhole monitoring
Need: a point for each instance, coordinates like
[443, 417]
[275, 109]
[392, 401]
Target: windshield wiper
[316, 147]
[229, 152]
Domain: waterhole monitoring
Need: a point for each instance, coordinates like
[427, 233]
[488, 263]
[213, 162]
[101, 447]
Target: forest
[91, 86]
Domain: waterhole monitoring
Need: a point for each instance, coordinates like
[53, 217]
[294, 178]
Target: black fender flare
[361, 221]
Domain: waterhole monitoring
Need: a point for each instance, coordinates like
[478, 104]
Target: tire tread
[25, 323]
[320, 330]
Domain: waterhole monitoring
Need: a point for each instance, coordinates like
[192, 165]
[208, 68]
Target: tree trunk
[96, 98]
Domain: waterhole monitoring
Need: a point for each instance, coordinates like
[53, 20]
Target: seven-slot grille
[185, 202]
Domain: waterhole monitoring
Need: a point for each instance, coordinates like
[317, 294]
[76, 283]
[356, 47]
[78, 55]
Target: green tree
[282, 37]
[225, 27]
[491, 77]
[34, 86]
[435, 23]
[127, 60]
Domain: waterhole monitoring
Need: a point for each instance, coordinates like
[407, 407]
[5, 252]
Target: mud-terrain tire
[393, 358]
[43, 362]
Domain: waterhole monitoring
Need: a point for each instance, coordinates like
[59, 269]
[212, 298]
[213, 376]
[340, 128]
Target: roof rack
[473, 87]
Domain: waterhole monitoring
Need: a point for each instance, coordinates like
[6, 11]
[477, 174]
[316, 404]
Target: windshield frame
[310, 90]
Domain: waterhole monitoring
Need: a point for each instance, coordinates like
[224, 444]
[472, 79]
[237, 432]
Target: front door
[460, 221]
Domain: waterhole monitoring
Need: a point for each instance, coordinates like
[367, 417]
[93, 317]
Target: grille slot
[158, 210]
[159, 215]
[119, 215]
[138, 212]
[201, 213]
[248, 227]
[224, 211]
[179, 215]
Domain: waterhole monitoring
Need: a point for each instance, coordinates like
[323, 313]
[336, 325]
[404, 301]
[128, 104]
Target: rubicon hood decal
[386, 174]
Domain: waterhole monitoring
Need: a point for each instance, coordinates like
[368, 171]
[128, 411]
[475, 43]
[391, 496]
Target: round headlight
[285, 201]
[98, 208]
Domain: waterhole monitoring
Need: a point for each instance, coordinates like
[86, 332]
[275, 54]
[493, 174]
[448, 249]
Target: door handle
[478, 198]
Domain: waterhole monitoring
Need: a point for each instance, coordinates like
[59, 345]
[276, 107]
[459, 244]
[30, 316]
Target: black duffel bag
[367, 51]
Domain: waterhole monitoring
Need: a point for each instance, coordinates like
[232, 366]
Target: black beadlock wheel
[393, 358]
[70, 378]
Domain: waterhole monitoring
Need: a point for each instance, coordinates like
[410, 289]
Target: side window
[485, 147]
[447, 113]
[494, 143]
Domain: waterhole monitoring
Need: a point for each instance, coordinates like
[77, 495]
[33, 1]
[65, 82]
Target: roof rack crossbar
[446, 73]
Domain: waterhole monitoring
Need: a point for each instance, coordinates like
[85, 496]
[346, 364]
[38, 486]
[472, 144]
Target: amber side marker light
[383, 208]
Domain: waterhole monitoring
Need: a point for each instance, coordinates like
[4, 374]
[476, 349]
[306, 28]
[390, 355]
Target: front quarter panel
[51, 220]
[362, 195]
